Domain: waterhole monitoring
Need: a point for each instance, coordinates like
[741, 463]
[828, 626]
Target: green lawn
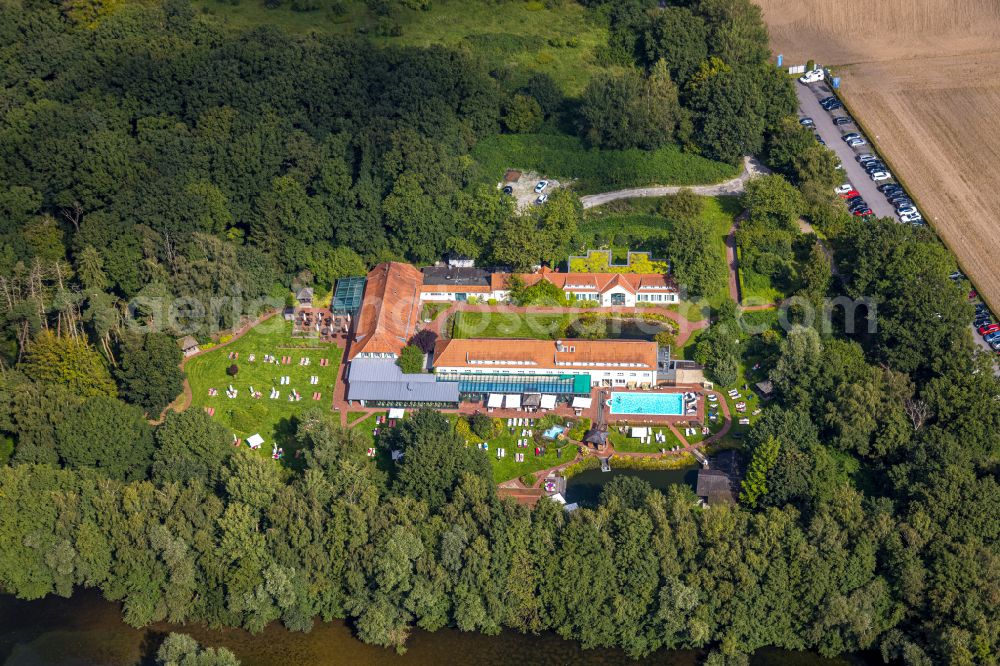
[244, 415]
[474, 324]
[430, 311]
[545, 326]
[622, 441]
[756, 288]
[505, 469]
[516, 35]
[595, 170]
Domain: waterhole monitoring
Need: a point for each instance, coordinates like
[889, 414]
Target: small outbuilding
[715, 487]
[305, 297]
[765, 389]
[188, 345]
[596, 437]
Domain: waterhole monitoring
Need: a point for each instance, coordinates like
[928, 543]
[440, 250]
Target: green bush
[579, 429]
[485, 426]
[411, 360]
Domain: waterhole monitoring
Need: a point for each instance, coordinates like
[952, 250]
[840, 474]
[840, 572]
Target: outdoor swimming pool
[554, 432]
[659, 404]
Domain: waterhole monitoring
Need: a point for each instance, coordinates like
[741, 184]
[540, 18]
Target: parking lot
[523, 189]
[809, 97]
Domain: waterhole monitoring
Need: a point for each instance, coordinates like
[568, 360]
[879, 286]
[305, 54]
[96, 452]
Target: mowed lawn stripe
[245, 415]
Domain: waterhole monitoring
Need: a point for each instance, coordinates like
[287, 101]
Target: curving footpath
[751, 169]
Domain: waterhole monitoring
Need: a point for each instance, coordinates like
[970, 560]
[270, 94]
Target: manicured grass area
[756, 288]
[430, 311]
[595, 170]
[244, 415]
[367, 427]
[510, 325]
[504, 469]
[520, 36]
[552, 326]
[622, 442]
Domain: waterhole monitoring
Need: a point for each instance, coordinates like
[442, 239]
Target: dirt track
[920, 75]
[751, 168]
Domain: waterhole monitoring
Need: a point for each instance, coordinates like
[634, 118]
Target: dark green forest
[147, 154]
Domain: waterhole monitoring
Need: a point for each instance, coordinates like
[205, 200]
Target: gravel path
[751, 168]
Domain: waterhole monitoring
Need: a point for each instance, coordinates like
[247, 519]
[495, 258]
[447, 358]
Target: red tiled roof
[458, 288]
[572, 355]
[599, 282]
[389, 310]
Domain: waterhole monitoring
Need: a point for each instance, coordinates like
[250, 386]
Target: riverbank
[86, 630]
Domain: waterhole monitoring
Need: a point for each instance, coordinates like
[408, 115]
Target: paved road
[751, 169]
[809, 97]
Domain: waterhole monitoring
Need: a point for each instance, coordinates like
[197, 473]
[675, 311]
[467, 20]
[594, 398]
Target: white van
[812, 76]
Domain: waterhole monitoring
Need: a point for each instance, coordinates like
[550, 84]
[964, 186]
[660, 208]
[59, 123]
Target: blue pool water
[553, 432]
[658, 404]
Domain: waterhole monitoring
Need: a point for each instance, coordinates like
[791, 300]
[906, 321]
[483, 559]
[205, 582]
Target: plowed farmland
[921, 76]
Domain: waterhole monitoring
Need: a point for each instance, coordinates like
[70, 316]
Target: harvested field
[919, 75]
[837, 32]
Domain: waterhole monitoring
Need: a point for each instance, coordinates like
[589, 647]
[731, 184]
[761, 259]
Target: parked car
[542, 184]
[812, 76]
[989, 328]
[542, 198]
[826, 100]
[851, 194]
[841, 120]
[908, 210]
[820, 139]
[861, 157]
[808, 122]
[862, 212]
[889, 186]
[508, 190]
[911, 217]
[851, 135]
[843, 189]
[879, 176]
[992, 337]
[854, 143]
[832, 106]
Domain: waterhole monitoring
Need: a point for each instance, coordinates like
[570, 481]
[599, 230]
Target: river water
[585, 487]
[86, 630]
